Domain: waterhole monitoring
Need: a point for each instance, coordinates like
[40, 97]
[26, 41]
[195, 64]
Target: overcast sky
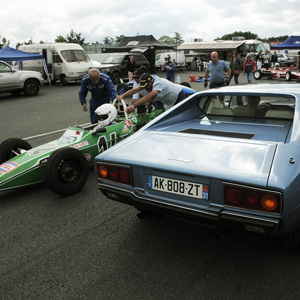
[44, 20]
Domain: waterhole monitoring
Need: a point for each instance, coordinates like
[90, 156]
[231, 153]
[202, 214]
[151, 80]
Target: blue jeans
[249, 77]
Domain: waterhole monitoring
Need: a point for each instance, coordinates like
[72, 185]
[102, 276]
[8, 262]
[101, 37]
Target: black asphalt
[89, 247]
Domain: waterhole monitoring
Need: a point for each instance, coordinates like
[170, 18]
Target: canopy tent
[293, 42]
[11, 54]
[147, 44]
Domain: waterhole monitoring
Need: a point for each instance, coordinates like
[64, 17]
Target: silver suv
[15, 82]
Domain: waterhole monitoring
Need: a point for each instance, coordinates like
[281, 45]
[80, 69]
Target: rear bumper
[224, 219]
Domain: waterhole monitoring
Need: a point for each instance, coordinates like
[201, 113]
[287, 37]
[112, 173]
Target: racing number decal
[103, 143]
[113, 139]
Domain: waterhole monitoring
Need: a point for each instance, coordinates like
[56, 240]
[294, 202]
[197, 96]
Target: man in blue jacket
[169, 67]
[102, 91]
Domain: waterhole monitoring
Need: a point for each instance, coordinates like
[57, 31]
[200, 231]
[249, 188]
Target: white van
[177, 57]
[66, 62]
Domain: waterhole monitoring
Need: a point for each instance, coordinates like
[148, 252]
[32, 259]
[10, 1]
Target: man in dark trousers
[101, 89]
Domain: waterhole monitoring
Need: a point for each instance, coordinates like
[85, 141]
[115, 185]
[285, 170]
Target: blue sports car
[229, 157]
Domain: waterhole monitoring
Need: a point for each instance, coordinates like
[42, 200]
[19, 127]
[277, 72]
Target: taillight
[252, 198]
[115, 173]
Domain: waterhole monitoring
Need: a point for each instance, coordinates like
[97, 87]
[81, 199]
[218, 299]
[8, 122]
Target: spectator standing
[298, 62]
[274, 60]
[216, 69]
[200, 64]
[102, 91]
[160, 90]
[235, 65]
[266, 60]
[249, 68]
[131, 66]
[169, 67]
[259, 60]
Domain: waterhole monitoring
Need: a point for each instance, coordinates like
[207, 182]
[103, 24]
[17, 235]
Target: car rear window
[249, 106]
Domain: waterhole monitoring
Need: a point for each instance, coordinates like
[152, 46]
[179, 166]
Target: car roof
[265, 88]
[123, 53]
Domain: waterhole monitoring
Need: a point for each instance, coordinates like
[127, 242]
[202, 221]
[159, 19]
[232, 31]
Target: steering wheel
[127, 116]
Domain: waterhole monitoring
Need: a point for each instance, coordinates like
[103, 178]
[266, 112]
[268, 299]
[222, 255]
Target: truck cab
[66, 62]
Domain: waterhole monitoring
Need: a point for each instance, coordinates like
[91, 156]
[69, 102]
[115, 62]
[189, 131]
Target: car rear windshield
[249, 106]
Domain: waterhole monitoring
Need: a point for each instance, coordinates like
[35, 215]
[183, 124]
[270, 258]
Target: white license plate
[178, 187]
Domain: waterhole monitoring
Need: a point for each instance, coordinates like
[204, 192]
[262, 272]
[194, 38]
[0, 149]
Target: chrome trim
[224, 214]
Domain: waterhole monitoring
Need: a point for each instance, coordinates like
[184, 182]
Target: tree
[177, 39]
[30, 42]
[281, 38]
[4, 42]
[76, 38]
[73, 37]
[108, 40]
[165, 39]
[60, 39]
[119, 38]
[247, 35]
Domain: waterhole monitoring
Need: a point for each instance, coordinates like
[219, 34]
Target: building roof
[211, 46]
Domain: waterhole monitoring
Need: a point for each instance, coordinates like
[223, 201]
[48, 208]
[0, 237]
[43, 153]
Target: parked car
[115, 65]
[233, 166]
[15, 82]
[291, 60]
[285, 59]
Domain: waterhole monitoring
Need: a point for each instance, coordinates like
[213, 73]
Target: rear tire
[66, 171]
[11, 148]
[288, 76]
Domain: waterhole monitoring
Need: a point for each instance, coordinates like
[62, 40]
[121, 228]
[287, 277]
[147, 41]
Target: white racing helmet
[106, 114]
[277, 65]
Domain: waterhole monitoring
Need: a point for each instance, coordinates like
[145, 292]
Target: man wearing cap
[161, 90]
[137, 77]
[169, 68]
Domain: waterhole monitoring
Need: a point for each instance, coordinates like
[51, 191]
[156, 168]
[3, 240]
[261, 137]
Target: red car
[287, 74]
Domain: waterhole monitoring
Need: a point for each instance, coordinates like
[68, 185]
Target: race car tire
[288, 76]
[257, 74]
[115, 77]
[11, 148]
[185, 84]
[66, 171]
[122, 88]
[31, 88]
